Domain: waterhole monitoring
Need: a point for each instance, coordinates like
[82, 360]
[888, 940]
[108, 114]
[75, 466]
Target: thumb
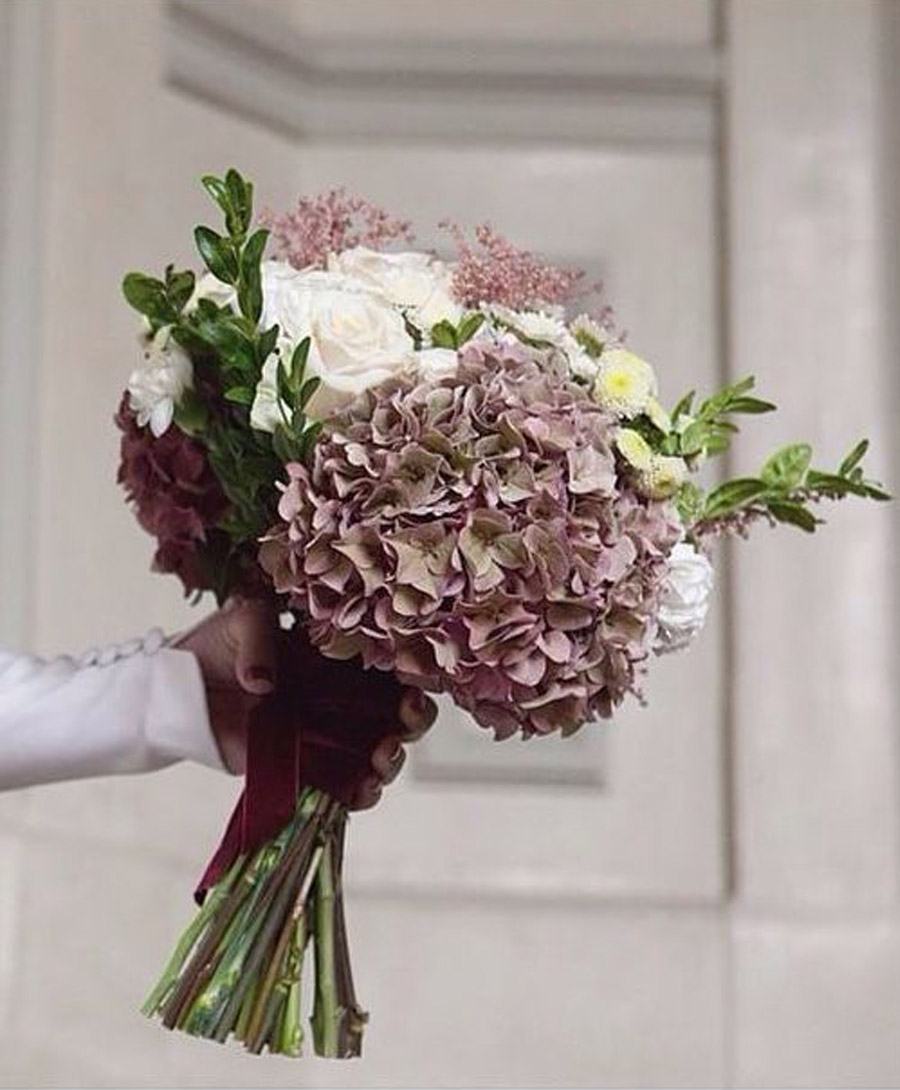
[252, 627]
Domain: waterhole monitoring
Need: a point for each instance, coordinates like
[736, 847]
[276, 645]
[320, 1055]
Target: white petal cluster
[156, 387]
[685, 600]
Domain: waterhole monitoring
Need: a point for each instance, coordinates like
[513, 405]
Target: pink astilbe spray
[493, 270]
[328, 223]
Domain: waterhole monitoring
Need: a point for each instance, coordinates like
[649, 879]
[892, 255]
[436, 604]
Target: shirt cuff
[177, 723]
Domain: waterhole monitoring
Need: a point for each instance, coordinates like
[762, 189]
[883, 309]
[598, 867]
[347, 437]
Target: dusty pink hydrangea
[492, 270]
[477, 536]
[328, 223]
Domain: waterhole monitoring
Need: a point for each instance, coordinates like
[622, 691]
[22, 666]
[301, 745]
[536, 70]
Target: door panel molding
[243, 59]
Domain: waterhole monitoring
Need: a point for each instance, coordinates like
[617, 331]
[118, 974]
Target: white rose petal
[685, 598]
[412, 280]
[156, 387]
[437, 363]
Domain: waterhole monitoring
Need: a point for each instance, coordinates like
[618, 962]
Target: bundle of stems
[237, 968]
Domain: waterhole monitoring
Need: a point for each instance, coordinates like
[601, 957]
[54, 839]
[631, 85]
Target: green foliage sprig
[709, 430]
[785, 489]
[229, 350]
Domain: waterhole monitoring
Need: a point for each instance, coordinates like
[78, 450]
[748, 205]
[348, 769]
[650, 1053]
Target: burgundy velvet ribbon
[318, 729]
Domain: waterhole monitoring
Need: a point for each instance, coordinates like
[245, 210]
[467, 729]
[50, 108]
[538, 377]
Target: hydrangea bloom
[175, 495]
[478, 535]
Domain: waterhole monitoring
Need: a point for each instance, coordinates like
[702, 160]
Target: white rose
[156, 387]
[436, 363]
[412, 280]
[357, 338]
[685, 598]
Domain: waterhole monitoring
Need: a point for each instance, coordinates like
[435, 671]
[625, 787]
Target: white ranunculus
[156, 387]
[411, 279]
[357, 338]
[685, 598]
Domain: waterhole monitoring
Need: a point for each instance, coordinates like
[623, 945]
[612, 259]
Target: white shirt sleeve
[135, 707]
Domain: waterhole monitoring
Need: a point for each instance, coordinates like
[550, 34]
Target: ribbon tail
[224, 856]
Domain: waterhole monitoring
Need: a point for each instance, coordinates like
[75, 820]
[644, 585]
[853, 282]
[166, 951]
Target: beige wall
[772, 957]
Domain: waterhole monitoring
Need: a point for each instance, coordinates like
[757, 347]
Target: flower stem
[188, 940]
[326, 1017]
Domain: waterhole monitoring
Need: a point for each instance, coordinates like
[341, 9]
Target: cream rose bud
[409, 279]
[685, 598]
[156, 387]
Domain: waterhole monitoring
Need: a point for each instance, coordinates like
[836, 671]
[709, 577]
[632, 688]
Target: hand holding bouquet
[449, 481]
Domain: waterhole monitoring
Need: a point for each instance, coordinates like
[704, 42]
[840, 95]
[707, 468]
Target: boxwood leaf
[733, 494]
[786, 468]
[217, 254]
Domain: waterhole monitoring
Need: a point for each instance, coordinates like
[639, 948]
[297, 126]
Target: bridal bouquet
[444, 475]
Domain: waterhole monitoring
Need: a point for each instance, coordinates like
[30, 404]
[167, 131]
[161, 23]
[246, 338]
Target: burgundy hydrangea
[476, 535]
[175, 495]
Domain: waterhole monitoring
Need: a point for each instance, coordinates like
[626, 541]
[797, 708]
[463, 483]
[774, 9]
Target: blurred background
[704, 892]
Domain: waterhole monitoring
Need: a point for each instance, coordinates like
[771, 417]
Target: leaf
[443, 335]
[148, 296]
[468, 327]
[719, 402]
[854, 457]
[308, 389]
[308, 439]
[191, 413]
[694, 438]
[250, 295]
[787, 467]
[234, 346]
[284, 446]
[716, 443]
[832, 484]
[240, 194]
[298, 361]
[684, 405]
[732, 495]
[217, 254]
[179, 288]
[266, 344]
[285, 387]
[217, 189]
[240, 395]
[750, 405]
[689, 501]
[795, 514]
